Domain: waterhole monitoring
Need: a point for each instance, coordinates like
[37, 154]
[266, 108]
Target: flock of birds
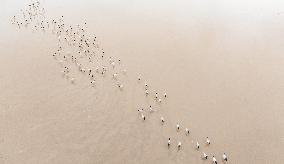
[87, 56]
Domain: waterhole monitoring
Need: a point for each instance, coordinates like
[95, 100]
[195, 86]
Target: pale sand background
[221, 63]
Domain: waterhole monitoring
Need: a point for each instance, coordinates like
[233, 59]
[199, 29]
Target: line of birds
[204, 156]
[88, 58]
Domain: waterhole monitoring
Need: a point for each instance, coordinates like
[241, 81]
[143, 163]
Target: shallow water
[220, 63]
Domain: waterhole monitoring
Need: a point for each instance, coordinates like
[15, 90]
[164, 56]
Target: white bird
[143, 117]
[225, 158]
[93, 83]
[115, 76]
[207, 141]
[162, 120]
[140, 110]
[146, 85]
[66, 69]
[65, 58]
[160, 100]
[186, 131]
[120, 86]
[204, 156]
[151, 109]
[104, 69]
[214, 160]
[197, 146]
[179, 145]
[177, 127]
[54, 55]
[165, 95]
[146, 92]
[169, 142]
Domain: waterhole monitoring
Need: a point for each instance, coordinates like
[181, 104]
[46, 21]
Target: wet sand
[221, 65]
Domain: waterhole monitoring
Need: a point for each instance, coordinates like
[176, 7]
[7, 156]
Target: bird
[186, 131]
[146, 85]
[120, 86]
[93, 83]
[169, 142]
[165, 95]
[225, 158]
[89, 70]
[115, 76]
[179, 145]
[146, 92]
[214, 160]
[66, 69]
[177, 127]
[54, 55]
[143, 117]
[151, 109]
[204, 156]
[207, 141]
[140, 110]
[162, 119]
[160, 100]
[197, 146]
